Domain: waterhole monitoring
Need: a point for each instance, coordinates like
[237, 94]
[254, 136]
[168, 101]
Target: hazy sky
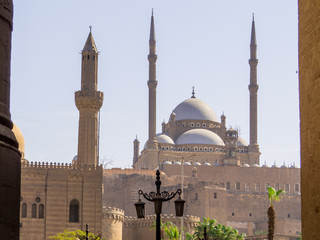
[199, 43]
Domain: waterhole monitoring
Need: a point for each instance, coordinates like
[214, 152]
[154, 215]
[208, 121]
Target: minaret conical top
[253, 32]
[90, 45]
[152, 32]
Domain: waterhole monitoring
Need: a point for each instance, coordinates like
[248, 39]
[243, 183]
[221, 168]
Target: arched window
[74, 211]
[24, 210]
[34, 211]
[41, 211]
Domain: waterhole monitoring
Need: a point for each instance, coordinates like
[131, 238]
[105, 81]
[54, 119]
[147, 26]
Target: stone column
[309, 87]
[10, 166]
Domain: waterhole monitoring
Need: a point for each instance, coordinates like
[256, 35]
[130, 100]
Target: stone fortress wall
[235, 196]
[135, 228]
[112, 223]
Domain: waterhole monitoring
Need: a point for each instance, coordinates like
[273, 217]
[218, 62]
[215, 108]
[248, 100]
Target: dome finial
[193, 93]
[90, 28]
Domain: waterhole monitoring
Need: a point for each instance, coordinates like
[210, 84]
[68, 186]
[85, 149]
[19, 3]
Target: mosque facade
[220, 174]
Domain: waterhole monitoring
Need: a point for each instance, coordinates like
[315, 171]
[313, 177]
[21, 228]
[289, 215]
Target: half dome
[242, 142]
[162, 138]
[199, 136]
[194, 109]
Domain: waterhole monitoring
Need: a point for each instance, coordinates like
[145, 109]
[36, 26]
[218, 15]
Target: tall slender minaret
[152, 85]
[136, 145]
[88, 101]
[253, 89]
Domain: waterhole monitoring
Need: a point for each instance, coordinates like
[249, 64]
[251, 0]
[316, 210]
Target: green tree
[215, 231]
[75, 235]
[273, 196]
[171, 231]
[300, 236]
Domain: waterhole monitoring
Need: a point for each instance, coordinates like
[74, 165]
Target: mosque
[219, 172]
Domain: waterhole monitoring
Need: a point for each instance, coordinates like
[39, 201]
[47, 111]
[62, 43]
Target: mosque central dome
[194, 109]
[199, 136]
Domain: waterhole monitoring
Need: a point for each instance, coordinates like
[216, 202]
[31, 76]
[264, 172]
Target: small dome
[194, 109]
[255, 165]
[275, 165]
[199, 136]
[75, 158]
[284, 166]
[197, 164]
[187, 163]
[242, 142]
[177, 163]
[163, 138]
[20, 139]
[167, 163]
[293, 166]
[216, 164]
[207, 164]
[245, 165]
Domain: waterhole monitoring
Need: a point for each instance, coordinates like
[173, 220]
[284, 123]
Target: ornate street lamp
[159, 197]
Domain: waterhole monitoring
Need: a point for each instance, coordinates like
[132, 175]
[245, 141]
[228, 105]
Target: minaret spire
[193, 93]
[152, 85]
[88, 101]
[253, 89]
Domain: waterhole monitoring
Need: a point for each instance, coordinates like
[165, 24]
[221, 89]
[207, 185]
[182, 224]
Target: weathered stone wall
[56, 185]
[309, 76]
[206, 195]
[140, 229]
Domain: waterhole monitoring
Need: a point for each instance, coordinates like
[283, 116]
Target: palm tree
[171, 231]
[273, 196]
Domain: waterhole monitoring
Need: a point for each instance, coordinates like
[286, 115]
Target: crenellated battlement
[113, 213]
[55, 165]
[189, 220]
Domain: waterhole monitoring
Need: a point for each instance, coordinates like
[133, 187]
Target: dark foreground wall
[9, 154]
[309, 75]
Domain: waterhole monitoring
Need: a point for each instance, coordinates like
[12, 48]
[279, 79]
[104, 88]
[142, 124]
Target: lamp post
[159, 197]
[87, 231]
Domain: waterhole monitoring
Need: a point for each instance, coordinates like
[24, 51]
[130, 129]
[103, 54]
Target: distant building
[219, 172]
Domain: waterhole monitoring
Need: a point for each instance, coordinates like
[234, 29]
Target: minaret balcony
[89, 100]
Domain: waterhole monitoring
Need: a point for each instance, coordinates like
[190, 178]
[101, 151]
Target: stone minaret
[88, 101]
[253, 89]
[136, 145]
[152, 85]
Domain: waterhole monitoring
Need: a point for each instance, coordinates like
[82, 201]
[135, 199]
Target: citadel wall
[138, 229]
[112, 223]
[235, 196]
